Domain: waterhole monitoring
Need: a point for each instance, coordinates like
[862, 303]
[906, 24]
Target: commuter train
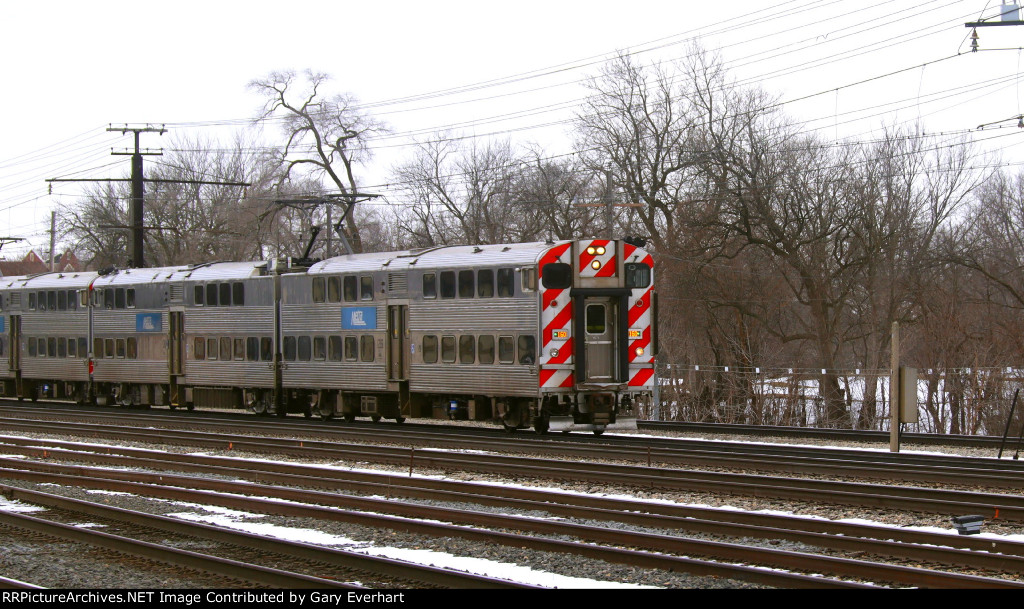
[557, 335]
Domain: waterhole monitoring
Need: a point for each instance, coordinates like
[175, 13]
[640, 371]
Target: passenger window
[319, 348]
[334, 348]
[130, 293]
[485, 283]
[366, 288]
[318, 289]
[97, 347]
[211, 348]
[366, 353]
[238, 294]
[51, 347]
[108, 298]
[211, 294]
[304, 349]
[62, 301]
[429, 285]
[225, 294]
[119, 346]
[506, 350]
[119, 298]
[239, 349]
[485, 349]
[83, 347]
[52, 300]
[466, 284]
[72, 347]
[252, 349]
[108, 347]
[32, 347]
[132, 346]
[351, 348]
[62, 347]
[467, 349]
[527, 349]
[289, 348]
[225, 348]
[429, 349]
[334, 289]
[266, 349]
[448, 284]
[528, 279]
[199, 292]
[32, 301]
[447, 349]
[506, 283]
[349, 285]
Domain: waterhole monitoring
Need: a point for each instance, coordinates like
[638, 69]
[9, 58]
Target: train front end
[598, 335]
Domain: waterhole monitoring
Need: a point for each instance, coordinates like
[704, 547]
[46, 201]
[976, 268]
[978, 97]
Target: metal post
[894, 391]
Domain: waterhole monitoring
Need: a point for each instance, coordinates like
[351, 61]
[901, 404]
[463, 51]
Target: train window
[119, 300]
[528, 279]
[366, 288]
[72, 300]
[595, 316]
[200, 292]
[429, 349]
[334, 348]
[130, 300]
[3, 346]
[239, 354]
[132, 348]
[225, 294]
[238, 294]
[211, 294]
[304, 348]
[366, 353]
[467, 349]
[506, 350]
[211, 348]
[31, 347]
[72, 347]
[527, 349]
[351, 348]
[349, 288]
[108, 348]
[32, 301]
[448, 284]
[62, 347]
[637, 275]
[62, 301]
[506, 283]
[466, 287]
[266, 349]
[334, 289]
[320, 348]
[289, 348]
[51, 347]
[225, 348]
[252, 349]
[429, 285]
[108, 298]
[119, 348]
[485, 349]
[83, 347]
[97, 347]
[41, 300]
[556, 276]
[319, 292]
[485, 283]
[447, 349]
[51, 300]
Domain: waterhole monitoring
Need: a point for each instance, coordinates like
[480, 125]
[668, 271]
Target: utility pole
[53, 239]
[135, 209]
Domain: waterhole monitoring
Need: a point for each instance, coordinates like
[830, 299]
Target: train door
[398, 338]
[176, 351]
[14, 344]
[599, 339]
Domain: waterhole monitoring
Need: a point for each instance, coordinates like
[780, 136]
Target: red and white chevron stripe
[606, 260]
[556, 317]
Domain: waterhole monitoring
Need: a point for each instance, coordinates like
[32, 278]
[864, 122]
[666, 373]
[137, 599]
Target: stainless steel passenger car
[558, 335]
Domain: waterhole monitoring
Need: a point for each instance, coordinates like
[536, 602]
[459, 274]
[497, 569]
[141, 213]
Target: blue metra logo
[149, 322]
[359, 318]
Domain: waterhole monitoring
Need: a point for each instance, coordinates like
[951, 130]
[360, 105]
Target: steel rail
[861, 538]
[427, 574]
[417, 525]
[169, 555]
[1008, 507]
[413, 516]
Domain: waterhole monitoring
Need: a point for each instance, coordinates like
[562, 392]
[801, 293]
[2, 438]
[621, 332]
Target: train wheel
[399, 420]
[508, 428]
[190, 406]
[259, 405]
[598, 432]
[375, 418]
[172, 406]
[541, 425]
[350, 417]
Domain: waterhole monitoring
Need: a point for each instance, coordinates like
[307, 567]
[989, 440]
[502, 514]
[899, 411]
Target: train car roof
[452, 256]
[220, 271]
[136, 276]
[55, 280]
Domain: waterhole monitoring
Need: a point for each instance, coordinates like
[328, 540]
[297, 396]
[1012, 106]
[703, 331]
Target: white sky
[72, 68]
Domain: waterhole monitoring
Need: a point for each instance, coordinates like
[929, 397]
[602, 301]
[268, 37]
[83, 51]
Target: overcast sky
[73, 68]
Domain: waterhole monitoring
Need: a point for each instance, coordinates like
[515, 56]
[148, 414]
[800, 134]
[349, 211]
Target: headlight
[639, 351]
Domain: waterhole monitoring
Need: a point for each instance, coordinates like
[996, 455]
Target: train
[555, 335]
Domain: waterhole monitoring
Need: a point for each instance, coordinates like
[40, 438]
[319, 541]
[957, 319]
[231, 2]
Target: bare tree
[326, 138]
